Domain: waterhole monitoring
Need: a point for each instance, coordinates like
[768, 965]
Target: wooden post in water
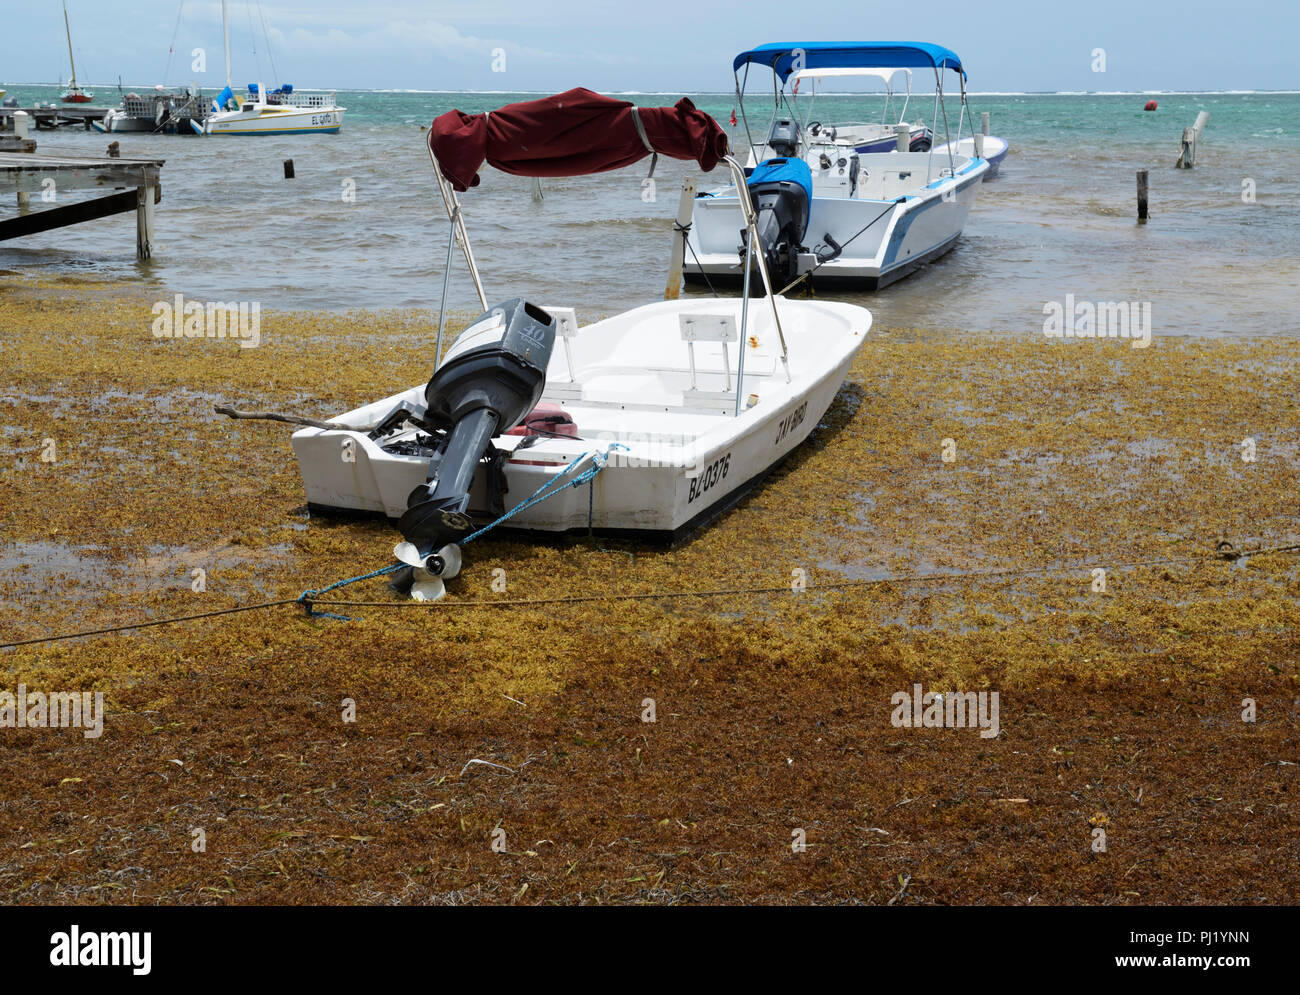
[288, 169]
[1142, 196]
[1187, 154]
[903, 133]
[685, 209]
[144, 232]
[21, 121]
[537, 189]
[984, 123]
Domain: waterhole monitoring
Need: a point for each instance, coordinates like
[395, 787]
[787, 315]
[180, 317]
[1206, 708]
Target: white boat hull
[995, 150]
[276, 121]
[686, 456]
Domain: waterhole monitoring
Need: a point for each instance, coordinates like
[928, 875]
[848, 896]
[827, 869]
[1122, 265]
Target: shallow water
[1060, 219]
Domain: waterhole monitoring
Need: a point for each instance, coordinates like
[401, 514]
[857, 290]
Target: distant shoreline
[714, 93]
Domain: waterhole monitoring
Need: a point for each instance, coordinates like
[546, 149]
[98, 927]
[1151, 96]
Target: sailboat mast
[225, 30]
[68, 31]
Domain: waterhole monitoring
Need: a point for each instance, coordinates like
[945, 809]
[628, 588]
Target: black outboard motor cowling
[477, 394]
[781, 190]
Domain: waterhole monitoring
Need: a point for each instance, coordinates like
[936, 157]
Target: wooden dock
[52, 116]
[135, 182]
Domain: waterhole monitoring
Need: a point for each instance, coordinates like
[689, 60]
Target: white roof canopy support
[886, 74]
[832, 72]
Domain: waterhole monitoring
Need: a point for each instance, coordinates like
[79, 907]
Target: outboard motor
[492, 377]
[781, 190]
[784, 140]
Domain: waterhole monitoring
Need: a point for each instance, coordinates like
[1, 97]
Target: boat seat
[708, 328]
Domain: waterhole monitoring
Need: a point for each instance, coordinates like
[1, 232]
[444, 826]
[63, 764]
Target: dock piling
[1192, 135]
[288, 169]
[22, 122]
[1142, 196]
[685, 209]
[144, 201]
[903, 133]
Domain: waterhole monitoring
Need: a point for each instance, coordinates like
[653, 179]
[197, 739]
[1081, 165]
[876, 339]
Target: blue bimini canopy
[785, 57]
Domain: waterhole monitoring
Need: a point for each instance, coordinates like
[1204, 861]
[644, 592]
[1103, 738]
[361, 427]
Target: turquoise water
[1060, 219]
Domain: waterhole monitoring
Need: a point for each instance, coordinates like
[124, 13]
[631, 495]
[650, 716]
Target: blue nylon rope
[548, 489]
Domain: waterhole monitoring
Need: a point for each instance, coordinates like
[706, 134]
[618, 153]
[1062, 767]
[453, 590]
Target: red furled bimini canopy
[571, 134]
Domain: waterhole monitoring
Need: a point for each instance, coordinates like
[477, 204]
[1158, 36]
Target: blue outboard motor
[781, 190]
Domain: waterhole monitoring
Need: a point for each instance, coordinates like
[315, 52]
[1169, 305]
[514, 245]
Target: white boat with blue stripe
[827, 212]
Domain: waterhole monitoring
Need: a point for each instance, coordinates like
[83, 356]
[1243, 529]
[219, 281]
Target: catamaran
[276, 112]
[160, 112]
[72, 94]
[825, 208]
[649, 422]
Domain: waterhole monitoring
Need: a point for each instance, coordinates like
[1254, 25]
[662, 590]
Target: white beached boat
[664, 415]
[278, 112]
[860, 219]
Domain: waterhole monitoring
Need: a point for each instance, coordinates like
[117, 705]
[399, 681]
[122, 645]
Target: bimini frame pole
[753, 242]
[442, 308]
[452, 205]
[456, 233]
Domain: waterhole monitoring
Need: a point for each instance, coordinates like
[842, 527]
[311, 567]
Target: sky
[648, 45]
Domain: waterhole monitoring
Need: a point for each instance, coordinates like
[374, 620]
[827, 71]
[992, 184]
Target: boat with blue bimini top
[858, 219]
[648, 423]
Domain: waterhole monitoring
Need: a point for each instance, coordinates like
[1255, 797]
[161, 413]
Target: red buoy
[1151, 105]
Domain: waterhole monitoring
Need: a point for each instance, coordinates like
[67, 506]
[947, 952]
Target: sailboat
[72, 94]
[278, 112]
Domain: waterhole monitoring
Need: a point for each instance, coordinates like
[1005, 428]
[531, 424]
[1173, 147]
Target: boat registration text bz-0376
[714, 474]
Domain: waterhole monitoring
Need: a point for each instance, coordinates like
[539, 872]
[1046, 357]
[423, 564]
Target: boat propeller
[425, 580]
